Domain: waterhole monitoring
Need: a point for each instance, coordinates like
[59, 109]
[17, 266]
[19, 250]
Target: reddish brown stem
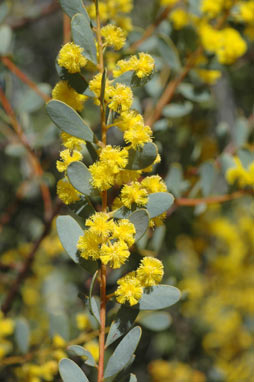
[33, 158]
[23, 77]
[66, 29]
[212, 199]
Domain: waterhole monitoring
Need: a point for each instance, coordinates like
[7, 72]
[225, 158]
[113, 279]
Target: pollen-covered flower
[100, 180]
[127, 176]
[113, 36]
[154, 183]
[66, 192]
[128, 120]
[115, 157]
[143, 65]
[95, 87]
[93, 348]
[138, 136]
[88, 245]
[179, 18]
[70, 142]
[209, 76]
[121, 98]
[71, 58]
[114, 254]
[124, 230]
[63, 92]
[100, 224]
[150, 271]
[134, 193]
[129, 289]
[67, 158]
[231, 46]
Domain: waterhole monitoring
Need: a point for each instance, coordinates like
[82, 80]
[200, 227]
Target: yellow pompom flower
[95, 87]
[150, 271]
[129, 289]
[154, 183]
[67, 158]
[231, 46]
[126, 176]
[99, 179]
[209, 76]
[113, 36]
[82, 321]
[6, 326]
[125, 230]
[63, 92]
[115, 157]
[71, 58]
[66, 192]
[88, 245]
[58, 341]
[138, 135]
[211, 7]
[121, 98]
[70, 142]
[93, 348]
[246, 12]
[165, 3]
[143, 65]
[100, 224]
[114, 254]
[129, 120]
[134, 193]
[179, 18]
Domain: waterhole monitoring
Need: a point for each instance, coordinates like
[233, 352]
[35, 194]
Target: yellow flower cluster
[130, 289]
[113, 36]
[30, 372]
[66, 192]
[70, 57]
[163, 371]
[6, 329]
[227, 44]
[143, 65]
[212, 8]
[107, 240]
[65, 93]
[67, 158]
[179, 18]
[209, 76]
[242, 176]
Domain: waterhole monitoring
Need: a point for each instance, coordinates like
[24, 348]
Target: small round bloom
[150, 271]
[114, 254]
[70, 142]
[138, 136]
[129, 289]
[102, 176]
[113, 36]
[125, 230]
[93, 348]
[179, 18]
[71, 58]
[88, 245]
[63, 92]
[82, 321]
[134, 193]
[100, 224]
[209, 76]
[145, 65]
[67, 158]
[114, 157]
[154, 183]
[66, 192]
[121, 98]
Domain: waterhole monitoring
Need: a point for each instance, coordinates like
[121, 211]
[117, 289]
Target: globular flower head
[154, 183]
[113, 36]
[150, 271]
[138, 135]
[67, 158]
[70, 142]
[134, 193]
[121, 98]
[63, 92]
[100, 224]
[125, 230]
[129, 289]
[114, 157]
[66, 192]
[179, 18]
[71, 58]
[114, 254]
[88, 245]
[145, 65]
[99, 179]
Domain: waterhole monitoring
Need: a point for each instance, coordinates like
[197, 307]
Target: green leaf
[6, 39]
[123, 321]
[74, 6]
[176, 110]
[94, 308]
[227, 161]
[4, 10]
[69, 232]
[122, 213]
[140, 219]
[75, 80]
[70, 371]
[133, 378]
[22, 334]
[169, 52]
[59, 324]
[82, 352]
[125, 78]
[29, 101]
[207, 177]
[83, 208]
[123, 352]
[68, 120]
[142, 157]
[80, 177]
[158, 203]
[83, 36]
[158, 297]
[175, 180]
[156, 321]
[188, 91]
[246, 157]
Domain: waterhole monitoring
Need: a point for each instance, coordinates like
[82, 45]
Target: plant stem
[103, 279]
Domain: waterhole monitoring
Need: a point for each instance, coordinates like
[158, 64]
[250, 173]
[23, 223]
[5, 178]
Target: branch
[23, 273]
[34, 160]
[66, 29]
[212, 199]
[22, 76]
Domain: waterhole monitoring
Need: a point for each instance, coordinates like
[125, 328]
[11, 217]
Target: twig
[23, 273]
[66, 28]
[212, 199]
[23, 77]
[34, 160]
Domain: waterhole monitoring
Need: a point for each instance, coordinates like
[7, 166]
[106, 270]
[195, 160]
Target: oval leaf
[79, 176]
[69, 232]
[133, 378]
[22, 334]
[142, 157]
[68, 120]
[140, 219]
[83, 36]
[158, 203]
[123, 352]
[70, 371]
[82, 352]
[156, 321]
[74, 6]
[158, 297]
[123, 321]
[175, 110]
